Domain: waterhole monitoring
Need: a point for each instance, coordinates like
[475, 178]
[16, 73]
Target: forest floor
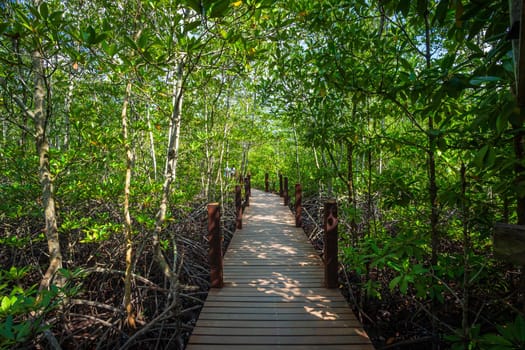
[88, 313]
[404, 321]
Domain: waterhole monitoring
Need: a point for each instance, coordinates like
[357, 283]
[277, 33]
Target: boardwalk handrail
[330, 223]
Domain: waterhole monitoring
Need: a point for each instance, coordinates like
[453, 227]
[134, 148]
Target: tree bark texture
[170, 175]
[128, 230]
[40, 119]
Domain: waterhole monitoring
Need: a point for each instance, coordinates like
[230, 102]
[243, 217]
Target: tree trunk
[517, 17]
[152, 144]
[67, 112]
[432, 183]
[128, 231]
[297, 163]
[519, 152]
[219, 179]
[40, 119]
[169, 177]
[466, 265]
[431, 152]
[4, 132]
[208, 122]
[350, 188]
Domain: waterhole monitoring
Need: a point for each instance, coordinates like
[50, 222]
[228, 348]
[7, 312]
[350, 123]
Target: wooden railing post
[215, 246]
[281, 192]
[238, 207]
[249, 177]
[266, 183]
[331, 264]
[298, 205]
[285, 194]
[246, 192]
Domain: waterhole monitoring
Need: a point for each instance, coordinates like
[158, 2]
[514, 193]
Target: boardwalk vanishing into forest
[273, 294]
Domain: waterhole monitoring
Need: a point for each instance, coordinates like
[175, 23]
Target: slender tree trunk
[25, 95]
[506, 208]
[466, 265]
[4, 131]
[519, 152]
[370, 209]
[219, 179]
[297, 163]
[208, 151]
[67, 112]
[318, 166]
[517, 15]
[244, 161]
[128, 230]
[169, 177]
[152, 144]
[330, 180]
[40, 118]
[350, 188]
[432, 183]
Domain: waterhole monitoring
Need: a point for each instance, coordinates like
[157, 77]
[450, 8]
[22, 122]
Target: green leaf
[22, 331]
[218, 8]
[476, 81]
[56, 18]
[195, 5]
[454, 86]
[131, 43]
[5, 304]
[109, 49]
[472, 46]
[99, 38]
[419, 269]
[480, 156]
[143, 39]
[403, 286]
[448, 61]
[408, 67]
[88, 35]
[404, 7]
[7, 329]
[519, 324]
[43, 9]
[441, 12]
[422, 7]
[502, 122]
[188, 27]
[394, 282]
[3, 27]
[496, 339]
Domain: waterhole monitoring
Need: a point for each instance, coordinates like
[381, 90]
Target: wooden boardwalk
[273, 295]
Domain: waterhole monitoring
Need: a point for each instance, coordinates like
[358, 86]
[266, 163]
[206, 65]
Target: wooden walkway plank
[273, 295]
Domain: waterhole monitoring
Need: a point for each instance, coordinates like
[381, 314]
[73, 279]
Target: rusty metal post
[281, 192]
[215, 245]
[286, 197]
[331, 264]
[246, 192]
[298, 205]
[266, 182]
[238, 207]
